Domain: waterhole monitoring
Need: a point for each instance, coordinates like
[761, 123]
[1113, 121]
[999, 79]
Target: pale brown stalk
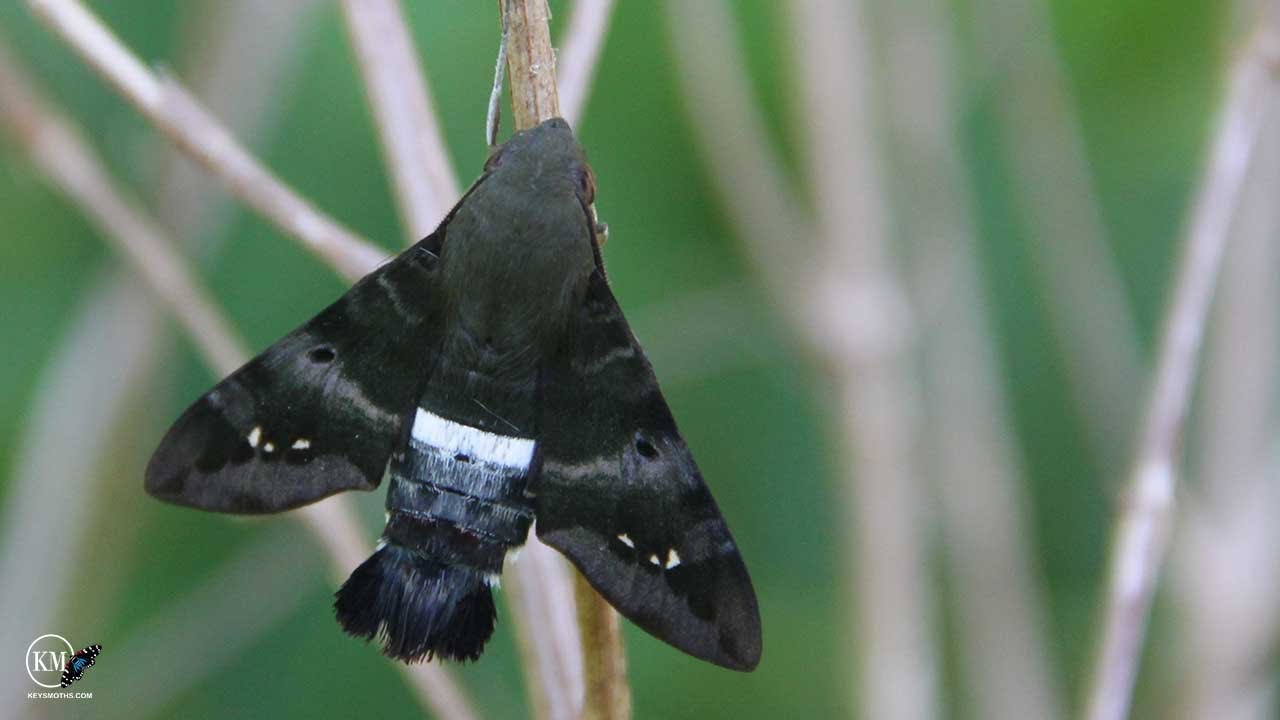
[1143, 526]
[531, 65]
[1086, 297]
[583, 41]
[175, 112]
[423, 177]
[852, 315]
[412, 144]
[59, 150]
[864, 331]
[1225, 563]
[983, 508]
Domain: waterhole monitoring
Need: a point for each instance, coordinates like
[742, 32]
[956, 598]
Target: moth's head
[546, 156]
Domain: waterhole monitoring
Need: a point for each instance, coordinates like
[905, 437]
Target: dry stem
[1225, 563]
[539, 585]
[180, 116]
[854, 316]
[864, 330]
[59, 150]
[531, 67]
[412, 145]
[531, 62]
[1142, 529]
[998, 601]
[1086, 297]
[581, 51]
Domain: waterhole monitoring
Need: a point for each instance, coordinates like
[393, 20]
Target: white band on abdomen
[479, 445]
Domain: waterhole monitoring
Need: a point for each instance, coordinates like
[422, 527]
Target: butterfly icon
[80, 662]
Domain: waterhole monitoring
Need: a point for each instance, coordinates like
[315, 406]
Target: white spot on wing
[654, 559]
[626, 540]
[673, 559]
[301, 444]
[254, 436]
[268, 447]
[454, 438]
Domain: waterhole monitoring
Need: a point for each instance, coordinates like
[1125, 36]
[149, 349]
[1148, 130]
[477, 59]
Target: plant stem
[1141, 532]
[61, 152]
[175, 112]
[424, 181]
[531, 66]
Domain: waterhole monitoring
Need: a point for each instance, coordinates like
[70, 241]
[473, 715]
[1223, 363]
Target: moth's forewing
[316, 413]
[619, 494]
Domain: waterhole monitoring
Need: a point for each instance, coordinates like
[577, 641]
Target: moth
[79, 663]
[489, 371]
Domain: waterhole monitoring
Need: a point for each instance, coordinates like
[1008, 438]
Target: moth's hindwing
[318, 412]
[619, 494]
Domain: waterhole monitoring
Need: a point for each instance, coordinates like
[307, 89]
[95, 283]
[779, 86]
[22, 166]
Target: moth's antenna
[494, 118]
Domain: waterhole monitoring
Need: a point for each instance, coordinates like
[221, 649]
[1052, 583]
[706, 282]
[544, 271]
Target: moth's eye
[587, 185]
[322, 355]
[646, 448]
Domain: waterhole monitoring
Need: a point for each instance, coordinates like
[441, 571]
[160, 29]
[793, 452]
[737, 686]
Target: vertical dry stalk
[531, 66]
[412, 145]
[539, 586]
[748, 176]
[1142, 529]
[1225, 575]
[859, 324]
[607, 696]
[531, 62]
[1004, 658]
[864, 331]
[582, 43]
[1086, 297]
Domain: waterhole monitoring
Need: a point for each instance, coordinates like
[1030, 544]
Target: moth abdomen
[456, 506]
[417, 606]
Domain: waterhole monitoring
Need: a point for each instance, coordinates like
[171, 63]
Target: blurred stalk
[1086, 297]
[1003, 654]
[267, 570]
[134, 311]
[853, 315]
[1226, 561]
[178, 114]
[588, 26]
[106, 356]
[863, 327]
[59, 150]
[1143, 526]
[396, 86]
[239, 55]
[766, 214]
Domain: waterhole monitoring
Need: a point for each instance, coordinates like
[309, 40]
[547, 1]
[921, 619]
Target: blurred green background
[1146, 76]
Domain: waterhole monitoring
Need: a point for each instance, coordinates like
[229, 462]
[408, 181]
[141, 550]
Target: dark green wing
[318, 412]
[619, 494]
